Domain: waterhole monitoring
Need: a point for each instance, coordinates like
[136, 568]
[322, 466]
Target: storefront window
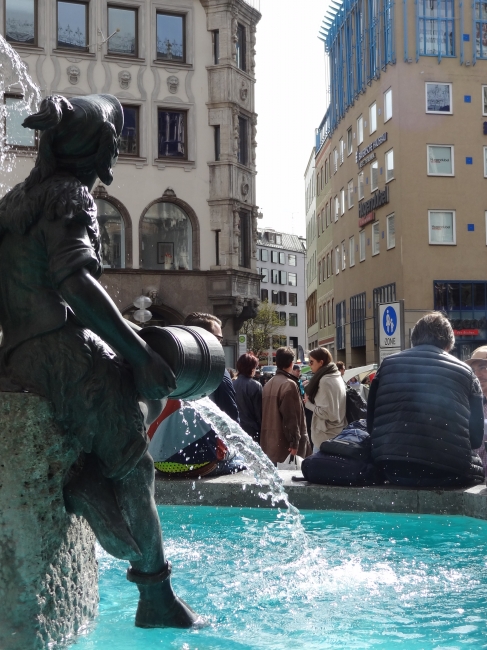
[112, 235]
[166, 238]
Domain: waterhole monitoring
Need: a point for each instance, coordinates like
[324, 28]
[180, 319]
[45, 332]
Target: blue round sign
[389, 321]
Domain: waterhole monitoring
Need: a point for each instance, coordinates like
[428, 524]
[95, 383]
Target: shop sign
[466, 332]
[378, 200]
[360, 155]
[367, 159]
[363, 221]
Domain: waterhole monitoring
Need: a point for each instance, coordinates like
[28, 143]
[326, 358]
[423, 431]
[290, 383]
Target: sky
[290, 102]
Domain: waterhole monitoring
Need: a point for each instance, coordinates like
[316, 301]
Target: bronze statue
[65, 339]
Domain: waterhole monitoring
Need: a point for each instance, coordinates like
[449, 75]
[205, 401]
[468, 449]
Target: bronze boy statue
[61, 329]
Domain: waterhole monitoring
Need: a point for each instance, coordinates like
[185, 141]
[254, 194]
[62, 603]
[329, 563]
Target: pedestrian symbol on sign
[389, 321]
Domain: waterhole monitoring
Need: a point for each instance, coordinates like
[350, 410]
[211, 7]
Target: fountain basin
[356, 580]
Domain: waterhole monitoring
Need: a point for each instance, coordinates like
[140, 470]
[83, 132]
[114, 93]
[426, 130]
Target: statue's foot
[158, 604]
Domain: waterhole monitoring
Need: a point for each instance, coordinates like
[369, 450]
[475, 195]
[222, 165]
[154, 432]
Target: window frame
[360, 129]
[374, 165]
[454, 227]
[293, 257]
[264, 275]
[337, 260]
[175, 14]
[86, 4]
[362, 248]
[372, 112]
[386, 158]
[295, 317]
[135, 55]
[349, 141]
[17, 147]
[185, 112]
[293, 302]
[452, 155]
[484, 99]
[361, 186]
[387, 93]
[350, 194]
[485, 161]
[137, 130]
[36, 28]
[295, 277]
[375, 229]
[438, 83]
[241, 29]
[351, 251]
[243, 148]
[389, 218]
[342, 201]
[343, 255]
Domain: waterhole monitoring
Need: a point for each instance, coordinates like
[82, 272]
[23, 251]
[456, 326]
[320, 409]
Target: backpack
[356, 406]
[325, 469]
[350, 443]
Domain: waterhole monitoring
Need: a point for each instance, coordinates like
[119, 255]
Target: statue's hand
[153, 377]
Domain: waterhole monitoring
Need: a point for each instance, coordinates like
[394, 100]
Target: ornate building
[179, 222]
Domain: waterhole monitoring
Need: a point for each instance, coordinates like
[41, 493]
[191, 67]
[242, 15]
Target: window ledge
[26, 49]
[187, 165]
[25, 153]
[74, 54]
[172, 64]
[123, 59]
[132, 160]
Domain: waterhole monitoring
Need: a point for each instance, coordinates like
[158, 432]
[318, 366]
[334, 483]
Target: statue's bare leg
[158, 604]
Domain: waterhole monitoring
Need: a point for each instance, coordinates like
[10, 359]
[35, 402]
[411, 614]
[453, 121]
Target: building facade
[408, 141]
[311, 264]
[179, 222]
[282, 260]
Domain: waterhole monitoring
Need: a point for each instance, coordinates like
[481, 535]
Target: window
[386, 293]
[282, 317]
[342, 201]
[123, 41]
[337, 260]
[129, 138]
[291, 259]
[216, 46]
[442, 227]
[374, 176]
[319, 272]
[361, 245]
[244, 244]
[349, 141]
[484, 100]
[282, 258]
[243, 149]
[293, 279]
[340, 328]
[264, 255]
[264, 294]
[485, 162]
[375, 238]
[328, 265]
[112, 235]
[440, 160]
[344, 256]
[360, 186]
[170, 37]
[436, 27]
[72, 25]
[387, 105]
[327, 214]
[282, 298]
[274, 276]
[293, 320]
[241, 47]
[335, 161]
[16, 110]
[171, 134]
[373, 118]
[166, 238]
[438, 98]
[265, 275]
[293, 299]
[391, 232]
[357, 320]
[342, 151]
[351, 251]
[389, 159]
[275, 257]
[274, 297]
[350, 194]
[337, 208]
[360, 130]
[282, 277]
[20, 22]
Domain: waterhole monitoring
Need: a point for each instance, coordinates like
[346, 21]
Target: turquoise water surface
[354, 580]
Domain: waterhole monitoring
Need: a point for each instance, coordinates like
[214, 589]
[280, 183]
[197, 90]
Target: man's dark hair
[284, 358]
[198, 319]
[296, 366]
[246, 363]
[433, 329]
[340, 365]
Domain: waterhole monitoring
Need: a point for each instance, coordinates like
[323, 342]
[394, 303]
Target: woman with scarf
[326, 397]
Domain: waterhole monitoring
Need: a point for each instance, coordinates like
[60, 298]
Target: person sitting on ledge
[424, 412]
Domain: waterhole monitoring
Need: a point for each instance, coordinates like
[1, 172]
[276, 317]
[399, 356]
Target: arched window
[166, 238]
[112, 235]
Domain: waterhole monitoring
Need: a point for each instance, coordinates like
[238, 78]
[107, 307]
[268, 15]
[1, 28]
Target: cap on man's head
[480, 354]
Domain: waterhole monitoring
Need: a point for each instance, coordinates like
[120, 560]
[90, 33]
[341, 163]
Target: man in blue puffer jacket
[425, 412]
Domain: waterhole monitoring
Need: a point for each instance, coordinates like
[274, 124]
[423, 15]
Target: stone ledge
[241, 491]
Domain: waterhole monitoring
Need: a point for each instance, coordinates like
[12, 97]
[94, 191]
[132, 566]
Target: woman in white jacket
[326, 397]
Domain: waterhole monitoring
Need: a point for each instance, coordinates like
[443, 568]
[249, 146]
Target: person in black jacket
[425, 412]
[224, 395]
[249, 395]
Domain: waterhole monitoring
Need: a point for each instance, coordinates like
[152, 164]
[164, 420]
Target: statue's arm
[97, 312]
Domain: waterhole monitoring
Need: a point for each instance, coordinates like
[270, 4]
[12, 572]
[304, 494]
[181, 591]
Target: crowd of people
[425, 409]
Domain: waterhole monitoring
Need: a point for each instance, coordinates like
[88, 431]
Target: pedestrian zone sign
[390, 326]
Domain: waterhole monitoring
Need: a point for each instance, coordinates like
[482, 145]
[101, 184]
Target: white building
[311, 279]
[179, 222]
[281, 259]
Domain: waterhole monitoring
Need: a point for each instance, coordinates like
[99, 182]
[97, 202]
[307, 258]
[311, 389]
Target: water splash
[14, 80]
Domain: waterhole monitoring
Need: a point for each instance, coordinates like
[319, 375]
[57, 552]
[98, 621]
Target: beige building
[408, 149]
[179, 222]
